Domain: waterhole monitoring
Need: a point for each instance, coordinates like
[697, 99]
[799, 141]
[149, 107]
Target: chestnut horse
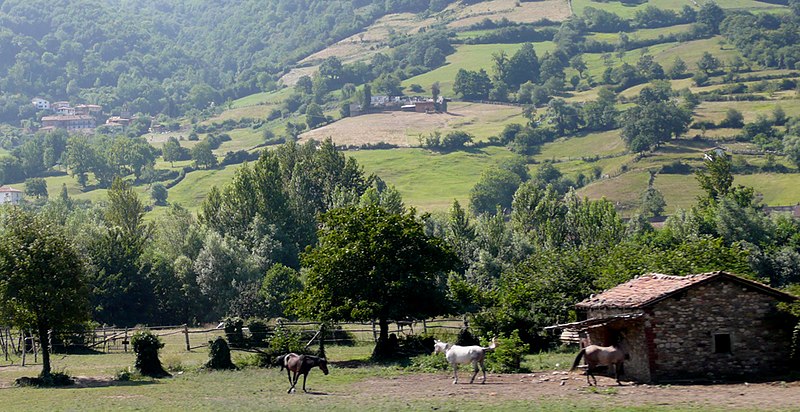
[601, 356]
[301, 364]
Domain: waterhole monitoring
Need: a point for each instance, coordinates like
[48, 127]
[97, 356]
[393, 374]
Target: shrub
[507, 356]
[429, 363]
[258, 332]
[219, 355]
[146, 346]
[234, 331]
[54, 379]
[465, 338]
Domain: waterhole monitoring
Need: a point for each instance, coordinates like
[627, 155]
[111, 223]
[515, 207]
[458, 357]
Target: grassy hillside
[468, 57]
[430, 181]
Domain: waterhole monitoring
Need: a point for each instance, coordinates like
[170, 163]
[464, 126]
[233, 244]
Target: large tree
[371, 264]
[42, 283]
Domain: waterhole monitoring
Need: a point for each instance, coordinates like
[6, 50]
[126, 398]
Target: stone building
[707, 326]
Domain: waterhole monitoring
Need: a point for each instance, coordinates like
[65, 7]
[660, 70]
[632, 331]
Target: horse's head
[323, 365]
[439, 347]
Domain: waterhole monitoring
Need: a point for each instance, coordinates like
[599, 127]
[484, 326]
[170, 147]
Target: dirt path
[548, 386]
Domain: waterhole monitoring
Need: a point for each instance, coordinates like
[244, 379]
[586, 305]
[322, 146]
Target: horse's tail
[578, 359]
[491, 346]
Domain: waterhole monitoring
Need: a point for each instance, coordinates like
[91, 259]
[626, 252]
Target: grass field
[642, 34]
[628, 11]
[430, 181]
[468, 57]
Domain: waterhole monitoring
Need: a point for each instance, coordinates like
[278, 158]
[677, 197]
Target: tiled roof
[9, 189]
[650, 288]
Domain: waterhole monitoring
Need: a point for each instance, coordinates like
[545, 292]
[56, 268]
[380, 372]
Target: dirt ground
[403, 128]
[552, 386]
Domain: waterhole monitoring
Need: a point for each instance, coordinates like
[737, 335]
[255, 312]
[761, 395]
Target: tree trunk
[383, 336]
[43, 344]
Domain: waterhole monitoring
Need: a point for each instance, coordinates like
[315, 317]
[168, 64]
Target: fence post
[186, 333]
[374, 334]
[424, 327]
[125, 341]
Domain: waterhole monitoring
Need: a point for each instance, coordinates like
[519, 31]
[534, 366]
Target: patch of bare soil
[521, 12]
[572, 387]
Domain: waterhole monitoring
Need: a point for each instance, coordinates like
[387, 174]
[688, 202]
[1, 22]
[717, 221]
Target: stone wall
[683, 329]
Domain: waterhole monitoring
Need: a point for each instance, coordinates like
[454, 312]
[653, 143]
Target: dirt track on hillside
[547, 386]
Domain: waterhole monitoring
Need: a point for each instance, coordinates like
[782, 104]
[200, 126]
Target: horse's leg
[305, 375]
[289, 375]
[483, 368]
[455, 373]
[616, 372]
[474, 371]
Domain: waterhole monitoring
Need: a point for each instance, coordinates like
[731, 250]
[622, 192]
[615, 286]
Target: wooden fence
[22, 344]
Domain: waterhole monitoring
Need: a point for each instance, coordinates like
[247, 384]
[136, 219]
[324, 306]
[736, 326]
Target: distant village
[81, 117]
[401, 103]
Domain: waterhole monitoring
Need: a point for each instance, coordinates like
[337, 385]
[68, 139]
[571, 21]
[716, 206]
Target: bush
[465, 338]
[234, 331]
[54, 379]
[219, 355]
[676, 168]
[507, 356]
[429, 363]
[146, 346]
[258, 332]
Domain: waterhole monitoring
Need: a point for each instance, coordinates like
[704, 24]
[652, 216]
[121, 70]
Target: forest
[165, 58]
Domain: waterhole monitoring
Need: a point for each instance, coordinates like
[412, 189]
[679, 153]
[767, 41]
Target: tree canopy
[371, 264]
[42, 284]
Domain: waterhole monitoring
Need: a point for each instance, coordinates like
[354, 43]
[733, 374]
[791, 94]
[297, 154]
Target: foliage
[42, 284]
[234, 331]
[159, 194]
[399, 269]
[219, 355]
[146, 345]
[507, 356]
[280, 283]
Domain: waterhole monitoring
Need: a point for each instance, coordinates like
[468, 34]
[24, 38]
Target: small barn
[707, 326]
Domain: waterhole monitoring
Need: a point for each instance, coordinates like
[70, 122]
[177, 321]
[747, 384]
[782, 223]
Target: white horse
[456, 355]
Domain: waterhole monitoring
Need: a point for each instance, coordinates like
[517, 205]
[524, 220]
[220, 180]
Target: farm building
[706, 326]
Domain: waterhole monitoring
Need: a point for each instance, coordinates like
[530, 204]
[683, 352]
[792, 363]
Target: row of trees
[367, 257]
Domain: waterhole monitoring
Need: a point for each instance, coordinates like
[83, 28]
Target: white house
[9, 195]
[41, 104]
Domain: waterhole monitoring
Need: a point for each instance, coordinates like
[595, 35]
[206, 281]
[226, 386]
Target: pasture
[354, 383]
[468, 57]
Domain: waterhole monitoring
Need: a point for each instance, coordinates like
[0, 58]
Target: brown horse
[601, 356]
[301, 364]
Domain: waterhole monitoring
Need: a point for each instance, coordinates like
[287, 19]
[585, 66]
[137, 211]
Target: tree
[708, 63]
[42, 284]
[652, 203]
[733, 119]
[710, 16]
[578, 64]
[400, 272]
[791, 146]
[494, 189]
[564, 116]
[159, 194]
[523, 67]
[36, 186]
[646, 126]
[314, 116]
[472, 85]
[203, 155]
[716, 181]
[280, 283]
[172, 151]
[678, 69]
